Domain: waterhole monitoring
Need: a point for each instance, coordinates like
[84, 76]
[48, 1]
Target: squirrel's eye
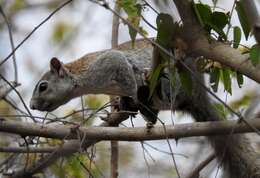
[43, 86]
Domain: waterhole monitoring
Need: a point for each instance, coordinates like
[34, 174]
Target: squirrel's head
[53, 89]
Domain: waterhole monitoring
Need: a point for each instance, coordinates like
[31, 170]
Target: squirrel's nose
[32, 105]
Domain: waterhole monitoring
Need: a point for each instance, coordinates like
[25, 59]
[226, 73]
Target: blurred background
[79, 28]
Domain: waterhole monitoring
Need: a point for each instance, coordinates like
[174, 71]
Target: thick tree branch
[68, 148]
[129, 134]
[27, 149]
[191, 27]
[225, 55]
[200, 45]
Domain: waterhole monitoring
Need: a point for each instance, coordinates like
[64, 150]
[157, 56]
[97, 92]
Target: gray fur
[120, 73]
[113, 73]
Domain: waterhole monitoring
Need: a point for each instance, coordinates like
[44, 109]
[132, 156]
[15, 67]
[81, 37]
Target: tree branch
[114, 158]
[225, 55]
[8, 24]
[35, 29]
[68, 148]
[191, 28]
[27, 149]
[200, 45]
[115, 133]
[195, 172]
[129, 134]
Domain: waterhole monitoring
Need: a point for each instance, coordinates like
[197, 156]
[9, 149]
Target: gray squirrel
[120, 72]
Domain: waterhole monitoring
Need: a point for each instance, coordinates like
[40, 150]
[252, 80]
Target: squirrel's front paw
[149, 126]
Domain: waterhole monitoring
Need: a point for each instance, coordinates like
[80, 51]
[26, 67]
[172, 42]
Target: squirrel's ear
[57, 67]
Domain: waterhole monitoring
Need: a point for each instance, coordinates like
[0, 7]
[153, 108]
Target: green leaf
[255, 54]
[186, 81]
[219, 31]
[133, 34]
[129, 6]
[216, 20]
[74, 168]
[60, 30]
[133, 11]
[203, 13]
[165, 27]
[221, 110]
[214, 78]
[243, 101]
[219, 19]
[236, 36]
[154, 78]
[164, 37]
[165, 33]
[17, 5]
[58, 170]
[243, 19]
[134, 19]
[240, 79]
[227, 80]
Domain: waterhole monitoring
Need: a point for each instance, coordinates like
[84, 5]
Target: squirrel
[120, 72]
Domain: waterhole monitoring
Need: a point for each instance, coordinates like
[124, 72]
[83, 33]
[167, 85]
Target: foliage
[255, 54]
[133, 10]
[236, 36]
[211, 20]
[243, 18]
[219, 22]
[215, 23]
[166, 30]
[17, 5]
[60, 30]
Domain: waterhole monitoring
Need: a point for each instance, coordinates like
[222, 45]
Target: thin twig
[20, 97]
[166, 137]
[11, 42]
[146, 3]
[146, 161]
[147, 152]
[230, 16]
[165, 152]
[104, 4]
[195, 172]
[14, 107]
[97, 168]
[114, 158]
[148, 23]
[35, 29]
[31, 170]
[82, 107]
[5, 161]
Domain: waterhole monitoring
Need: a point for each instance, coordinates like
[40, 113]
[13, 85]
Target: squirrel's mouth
[41, 105]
